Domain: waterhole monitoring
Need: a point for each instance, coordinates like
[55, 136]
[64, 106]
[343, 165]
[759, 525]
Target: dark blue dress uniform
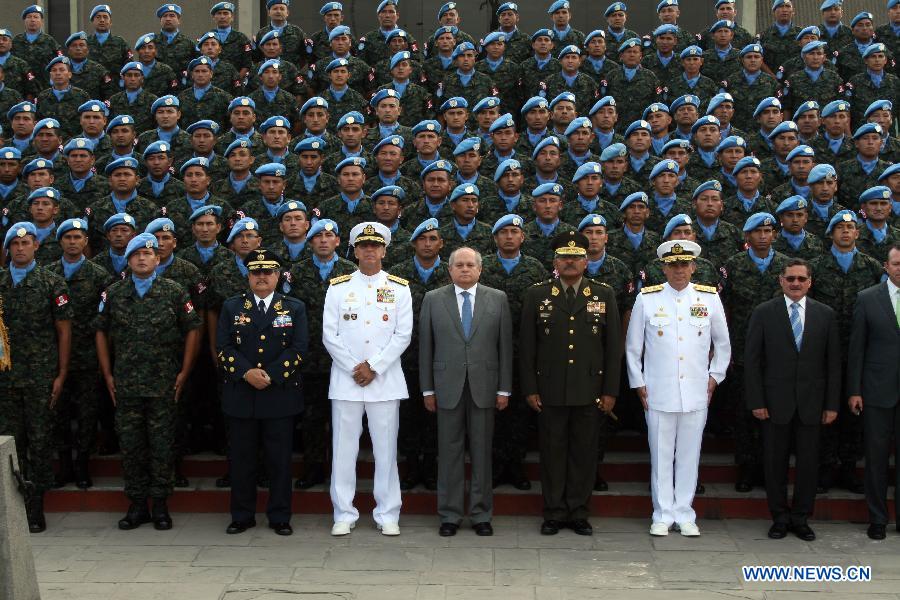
[275, 341]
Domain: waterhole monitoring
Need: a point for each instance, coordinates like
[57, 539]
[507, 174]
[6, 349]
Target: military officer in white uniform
[366, 326]
[677, 351]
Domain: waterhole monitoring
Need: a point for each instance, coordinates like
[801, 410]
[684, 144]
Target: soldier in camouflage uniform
[341, 95]
[17, 74]
[833, 31]
[465, 81]
[332, 17]
[240, 186]
[81, 185]
[823, 186]
[692, 81]
[263, 209]
[204, 250]
[505, 74]
[541, 64]
[725, 10]
[397, 43]
[747, 198]
[582, 85]
[160, 186]
[122, 141]
[441, 60]
[197, 176]
[359, 74]
[123, 181]
[175, 49]
[800, 162]
[373, 45]
[801, 87]
[43, 207]
[351, 205]
[721, 58]
[833, 146]
[212, 102]
[588, 187]
[225, 75]
[547, 224]
[414, 100]
[166, 111]
[784, 138]
[34, 46]
[749, 86]
[159, 77]
[874, 83]
[293, 39]
[236, 47]
[133, 100]
[518, 46]
[310, 184]
[507, 196]
[38, 319]
[862, 171]
[634, 244]
[270, 99]
[778, 39]
[664, 62]
[462, 228]
[118, 231]
[849, 58]
[632, 94]
[793, 240]
[386, 206]
[292, 79]
[107, 48]
[61, 100]
[876, 235]
[616, 33]
[87, 74]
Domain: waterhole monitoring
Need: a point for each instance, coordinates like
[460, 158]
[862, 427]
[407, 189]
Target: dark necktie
[262, 307]
[570, 296]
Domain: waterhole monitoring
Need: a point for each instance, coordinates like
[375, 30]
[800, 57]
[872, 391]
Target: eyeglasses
[793, 278]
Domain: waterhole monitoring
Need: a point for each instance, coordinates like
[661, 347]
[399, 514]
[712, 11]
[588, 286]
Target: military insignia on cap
[260, 256]
[204, 61]
[95, 108]
[847, 217]
[369, 230]
[128, 219]
[469, 189]
[320, 101]
[147, 39]
[792, 125]
[26, 108]
[148, 244]
[166, 227]
[572, 244]
[163, 147]
[328, 226]
[393, 93]
[169, 101]
[41, 163]
[245, 101]
[280, 122]
[767, 221]
[208, 211]
[51, 194]
[275, 34]
[49, 125]
[249, 226]
[21, 232]
[439, 164]
[677, 249]
[356, 161]
[395, 141]
[453, 103]
[671, 164]
[687, 220]
[351, 120]
[517, 221]
[315, 145]
[501, 38]
[126, 120]
[801, 203]
[430, 127]
[279, 172]
[597, 220]
[170, 7]
[596, 168]
[292, 205]
[557, 189]
[76, 224]
[654, 107]
[886, 194]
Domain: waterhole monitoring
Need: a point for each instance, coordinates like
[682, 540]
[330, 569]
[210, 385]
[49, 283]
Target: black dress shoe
[550, 527]
[413, 475]
[600, 484]
[240, 526]
[517, 477]
[744, 481]
[448, 529]
[581, 527]
[281, 528]
[483, 529]
[876, 532]
[37, 523]
[778, 531]
[314, 474]
[224, 481]
[804, 532]
[701, 489]
[162, 521]
[849, 481]
[136, 516]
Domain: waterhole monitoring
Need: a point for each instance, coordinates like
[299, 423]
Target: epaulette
[705, 288]
[400, 280]
[652, 289]
[545, 282]
[339, 279]
[599, 282]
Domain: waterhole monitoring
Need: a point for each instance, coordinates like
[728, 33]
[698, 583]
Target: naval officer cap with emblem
[369, 232]
[674, 251]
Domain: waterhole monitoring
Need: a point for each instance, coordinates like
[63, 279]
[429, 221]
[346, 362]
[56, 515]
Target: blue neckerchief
[223, 33]
[338, 94]
[861, 47]
[800, 190]
[596, 63]
[348, 154]
[541, 62]
[456, 138]
[844, 259]
[691, 81]
[463, 230]
[594, 266]
[465, 78]
[708, 231]
[199, 92]
[269, 94]
[541, 181]
[21, 144]
[895, 207]
[562, 33]
[122, 205]
[682, 135]
[162, 266]
[386, 180]
[834, 144]
[347, 55]
[682, 175]
[18, 274]
[461, 180]
[118, 261]
[485, 138]
[148, 68]
[169, 36]
[31, 37]
[535, 138]
[4, 58]
[434, 209]
[878, 234]
[509, 263]
[446, 61]
[659, 143]
[240, 265]
[707, 156]
[237, 184]
[611, 188]
[589, 205]
[511, 202]
[814, 73]
[395, 226]
[69, 269]
[205, 253]
[822, 210]
[158, 186]
[427, 161]
[751, 77]
[783, 29]
[351, 204]
[245, 136]
[43, 232]
[867, 165]
[547, 230]
[132, 96]
[896, 28]
[325, 267]
[276, 27]
[386, 32]
[493, 65]
[783, 167]
[723, 54]
[664, 203]
[604, 139]
[616, 34]
[60, 94]
[665, 60]
[875, 77]
[831, 29]
[501, 157]
[78, 184]
[294, 248]
[195, 204]
[725, 130]
[142, 286]
[101, 36]
[747, 204]
[794, 239]
[570, 79]
[761, 263]
[579, 160]
[386, 130]
[637, 162]
[634, 238]
[425, 274]
[272, 207]
[77, 66]
[629, 73]
[166, 136]
[728, 177]
[277, 158]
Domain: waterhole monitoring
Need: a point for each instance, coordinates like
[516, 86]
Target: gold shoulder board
[339, 279]
[652, 289]
[705, 288]
[400, 280]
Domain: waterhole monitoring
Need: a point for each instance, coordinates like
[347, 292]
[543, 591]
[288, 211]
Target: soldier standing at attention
[146, 323]
[33, 298]
[33, 45]
[106, 48]
[570, 348]
[175, 49]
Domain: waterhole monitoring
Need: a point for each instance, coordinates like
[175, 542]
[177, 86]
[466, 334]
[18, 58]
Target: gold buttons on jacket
[287, 363]
[262, 337]
[286, 374]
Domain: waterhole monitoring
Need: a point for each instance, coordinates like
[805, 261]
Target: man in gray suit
[873, 384]
[465, 370]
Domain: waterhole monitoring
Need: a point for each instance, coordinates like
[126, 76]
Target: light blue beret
[20, 229]
[245, 224]
[464, 189]
[426, 225]
[238, 143]
[71, 225]
[635, 125]
[588, 168]
[427, 126]
[394, 191]
[801, 151]
[208, 209]
[454, 102]
[791, 203]
[579, 123]
[467, 145]
[756, 220]
[604, 101]
[78, 143]
[45, 192]
[502, 122]
[289, 206]
[486, 102]
[391, 140]
[879, 192]
[197, 161]
[353, 161]
[119, 219]
[553, 189]
[322, 225]
[712, 184]
[591, 220]
[717, 101]
[821, 172]
[746, 162]
[168, 8]
[510, 220]
[840, 216]
[168, 100]
[271, 170]
[314, 102]
[510, 164]
[550, 140]
[676, 221]
[160, 224]
[122, 163]
[635, 197]
[664, 166]
[655, 107]
[612, 151]
[278, 121]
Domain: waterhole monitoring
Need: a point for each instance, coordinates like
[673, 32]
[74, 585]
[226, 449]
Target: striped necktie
[796, 324]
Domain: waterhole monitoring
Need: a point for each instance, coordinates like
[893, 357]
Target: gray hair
[453, 254]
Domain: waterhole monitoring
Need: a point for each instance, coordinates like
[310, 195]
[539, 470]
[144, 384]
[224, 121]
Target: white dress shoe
[342, 528]
[389, 528]
[689, 529]
[659, 529]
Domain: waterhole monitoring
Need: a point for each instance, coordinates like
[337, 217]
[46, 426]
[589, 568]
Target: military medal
[699, 310]
[247, 305]
[384, 317]
[346, 317]
[659, 333]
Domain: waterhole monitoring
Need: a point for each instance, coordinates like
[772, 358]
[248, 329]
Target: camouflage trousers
[747, 431]
[418, 427]
[26, 415]
[146, 429]
[79, 404]
[841, 443]
[315, 426]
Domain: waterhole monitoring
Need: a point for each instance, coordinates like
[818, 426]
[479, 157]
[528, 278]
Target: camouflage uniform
[735, 214]
[112, 54]
[862, 92]
[226, 77]
[635, 258]
[632, 96]
[335, 208]
[104, 261]
[291, 80]
[824, 153]
[172, 191]
[434, 73]
[95, 187]
[877, 250]
[573, 213]
[518, 46]
[491, 208]
[372, 47]
[533, 76]
[816, 224]
[540, 246]
[225, 280]
[742, 37]
[229, 136]
[293, 43]
[17, 74]
[381, 72]
[179, 210]
[361, 77]
[612, 43]
[811, 247]
[162, 79]
[321, 47]
[666, 74]
[237, 49]
[800, 88]
[706, 273]
[854, 181]
[373, 136]
[627, 187]
[584, 88]
[600, 77]
[213, 105]
[416, 103]
[177, 54]
[656, 222]
[849, 61]
[418, 212]
[885, 34]
[192, 255]
[479, 238]
[8, 98]
[705, 89]
[95, 80]
[326, 187]
[350, 101]
[49, 251]
[224, 190]
[258, 208]
[283, 104]
[140, 208]
[179, 144]
[796, 63]
[841, 37]
[778, 48]
[65, 111]
[718, 69]
[400, 249]
[507, 78]
[139, 110]
[773, 174]
[36, 54]
[480, 86]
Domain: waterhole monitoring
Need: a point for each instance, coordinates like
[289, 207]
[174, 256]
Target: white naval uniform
[670, 337]
[366, 318]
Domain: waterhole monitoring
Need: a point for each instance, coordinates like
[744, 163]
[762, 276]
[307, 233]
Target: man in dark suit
[873, 379]
[262, 336]
[465, 370]
[792, 385]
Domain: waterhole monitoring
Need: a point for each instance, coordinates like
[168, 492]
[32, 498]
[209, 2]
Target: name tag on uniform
[699, 310]
[596, 307]
[384, 295]
[282, 321]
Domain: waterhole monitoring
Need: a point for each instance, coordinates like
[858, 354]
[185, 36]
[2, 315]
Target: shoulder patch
[339, 279]
[652, 289]
[400, 280]
[705, 288]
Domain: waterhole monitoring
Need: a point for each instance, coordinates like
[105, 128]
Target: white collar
[802, 302]
[472, 290]
[267, 300]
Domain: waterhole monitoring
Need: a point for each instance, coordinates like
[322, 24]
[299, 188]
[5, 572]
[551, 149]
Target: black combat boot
[136, 516]
[35, 511]
[162, 521]
[83, 479]
[66, 473]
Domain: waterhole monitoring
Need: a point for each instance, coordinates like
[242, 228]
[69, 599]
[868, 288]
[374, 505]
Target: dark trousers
[879, 424]
[418, 426]
[747, 447]
[26, 415]
[245, 436]
[79, 403]
[568, 442]
[842, 443]
[777, 442]
[316, 422]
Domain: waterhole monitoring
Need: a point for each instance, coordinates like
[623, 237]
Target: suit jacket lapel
[449, 298]
[784, 316]
[884, 299]
[479, 310]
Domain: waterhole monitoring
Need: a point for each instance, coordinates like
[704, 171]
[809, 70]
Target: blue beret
[131, 66]
[71, 225]
[706, 186]
[462, 48]
[721, 2]
[353, 161]
[330, 6]
[209, 35]
[845, 216]
[891, 170]
[676, 221]
[756, 220]
[6, 33]
[391, 140]
[783, 127]
[160, 224]
[270, 35]
[34, 8]
[20, 229]
[591, 220]
[604, 101]
[385, 3]
[861, 17]
[508, 6]
[21, 107]
[746, 162]
[570, 49]
[157, 147]
[314, 102]
[615, 7]
[163, 101]
[320, 226]
[278, 121]
[221, 6]
[168, 8]
[238, 143]
[494, 36]
[721, 24]
[635, 125]
[563, 97]
[428, 125]
[202, 61]
[400, 57]
[777, 3]
[879, 192]
[810, 30]
[119, 219]
[78, 143]
[558, 5]
[770, 102]
[579, 123]
[197, 161]
[691, 51]
[438, 165]
[271, 3]
[588, 168]
[454, 102]
[10, 153]
[814, 45]
[543, 32]
[593, 34]
[821, 172]
[142, 240]
[553, 189]
[630, 43]
[655, 107]
[272, 63]
[617, 150]
[203, 211]
[550, 140]
[271, 170]
[445, 29]
[470, 144]
[665, 3]
[121, 163]
[834, 107]
[510, 220]
[752, 48]
[336, 63]
[245, 224]
[686, 100]
[78, 35]
[732, 141]
[339, 30]
[873, 48]
[664, 166]
[45, 192]
[717, 101]
[635, 197]
[48, 123]
[426, 225]
[445, 8]
[830, 3]
[676, 143]
[791, 203]
[394, 191]
[63, 60]
[397, 33]
[464, 189]
[147, 38]
[289, 206]
[892, 3]
[801, 151]
[37, 164]
[665, 28]
[868, 128]
[879, 105]
[486, 102]
[510, 164]
[241, 102]
[94, 106]
[204, 124]
[384, 94]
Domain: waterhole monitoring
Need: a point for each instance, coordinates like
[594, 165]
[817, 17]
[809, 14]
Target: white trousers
[675, 440]
[347, 426]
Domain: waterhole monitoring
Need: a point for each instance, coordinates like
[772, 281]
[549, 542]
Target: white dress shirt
[267, 301]
[893, 294]
[802, 303]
